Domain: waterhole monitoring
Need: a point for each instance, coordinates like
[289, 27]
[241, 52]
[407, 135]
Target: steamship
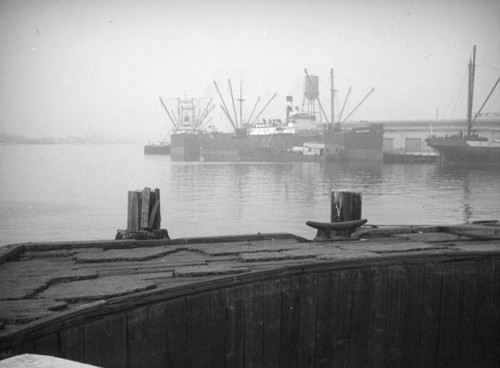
[301, 137]
[189, 119]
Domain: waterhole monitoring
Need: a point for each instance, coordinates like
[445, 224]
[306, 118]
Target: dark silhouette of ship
[468, 147]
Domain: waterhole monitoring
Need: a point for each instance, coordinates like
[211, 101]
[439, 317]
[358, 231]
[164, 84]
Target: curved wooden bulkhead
[394, 311]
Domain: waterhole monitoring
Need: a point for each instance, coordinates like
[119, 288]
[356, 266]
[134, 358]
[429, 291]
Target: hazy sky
[76, 67]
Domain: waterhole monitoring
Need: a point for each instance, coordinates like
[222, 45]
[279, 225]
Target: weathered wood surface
[403, 297]
[40, 361]
[143, 215]
[345, 207]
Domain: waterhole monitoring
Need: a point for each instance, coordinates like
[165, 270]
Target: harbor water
[79, 192]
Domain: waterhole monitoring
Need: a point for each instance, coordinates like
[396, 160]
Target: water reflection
[65, 192]
[271, 196]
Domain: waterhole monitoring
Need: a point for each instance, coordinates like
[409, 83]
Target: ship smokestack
[289, 106]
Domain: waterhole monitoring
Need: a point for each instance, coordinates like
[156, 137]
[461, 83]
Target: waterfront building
[408, 137]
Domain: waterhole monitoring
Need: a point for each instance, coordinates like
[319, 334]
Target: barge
[162, 148]
[384, 296]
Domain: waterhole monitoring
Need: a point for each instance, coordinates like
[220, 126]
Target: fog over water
[79, 192]
[98, 67]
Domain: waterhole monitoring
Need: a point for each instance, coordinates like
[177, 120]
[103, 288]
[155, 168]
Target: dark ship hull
[357, 144]
[185, 147]
[157, 149]
[469, 148]
[461, 150]
[276, 147]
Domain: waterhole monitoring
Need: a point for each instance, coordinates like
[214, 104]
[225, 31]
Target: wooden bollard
[143, 216]
[345, 206]
[143, 210]
[345, 217]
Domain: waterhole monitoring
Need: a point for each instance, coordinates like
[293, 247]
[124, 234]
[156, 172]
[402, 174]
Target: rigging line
[458, 92]
[488, 66]
[352, 79]
[487, 98]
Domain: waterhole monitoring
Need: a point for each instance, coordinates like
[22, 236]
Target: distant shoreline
[15, 139]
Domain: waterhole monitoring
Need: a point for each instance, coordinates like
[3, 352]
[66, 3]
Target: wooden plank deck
[212, 300]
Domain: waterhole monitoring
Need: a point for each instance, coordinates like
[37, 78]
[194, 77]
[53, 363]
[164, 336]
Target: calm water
[79, 192]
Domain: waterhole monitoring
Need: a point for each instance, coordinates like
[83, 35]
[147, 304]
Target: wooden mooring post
[345, 216]
[143, 216]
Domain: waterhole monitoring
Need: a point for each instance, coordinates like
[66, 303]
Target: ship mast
[241, 100]
[470, 94]
[332, 94]
[234, 106]
[345, 103]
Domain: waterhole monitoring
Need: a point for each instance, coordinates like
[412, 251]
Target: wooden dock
[395, 296]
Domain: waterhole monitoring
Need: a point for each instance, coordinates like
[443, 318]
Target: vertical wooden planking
[378, 315]
[196, 330]
[48, 345]
[72, 344]
[429, 336]
[106, 343]
[133, 213]
[396, 294]
[130, 211]
[448, 318]
[486, 318]
[176, 337]
[254, 325]
[345, 206]
[154, 205]
[271, 290]
[138, 342]
[342, 316]
[290, 302]
[325, 323]
[158, 350]
[216, 328]
[307, 319]
[496, 303]
[26, 348]
[413, 290]
[144, 222]
[152, 209]
[360, 317]
[157, 221]
[235, 326]
[464, 354]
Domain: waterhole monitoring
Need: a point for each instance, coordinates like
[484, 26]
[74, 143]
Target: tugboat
[468, 148]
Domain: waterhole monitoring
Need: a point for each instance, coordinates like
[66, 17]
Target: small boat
[468, 148]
